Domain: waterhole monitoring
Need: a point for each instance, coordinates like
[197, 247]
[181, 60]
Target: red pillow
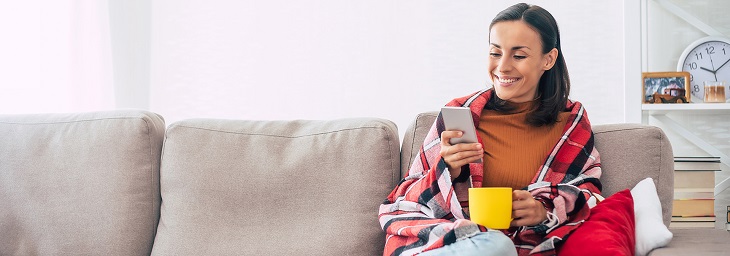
[609, 230]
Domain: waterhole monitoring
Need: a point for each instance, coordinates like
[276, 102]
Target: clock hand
[710, 70]
[723, 64]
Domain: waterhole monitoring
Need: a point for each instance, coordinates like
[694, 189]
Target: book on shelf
[697, 163]
[697, 159]
[690, 224]
[694, 179]
[694, 218]
[697, 166]
[693, 207]
[694, 193]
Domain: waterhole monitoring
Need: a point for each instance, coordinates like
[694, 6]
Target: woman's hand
[458, 155]
[526, 211]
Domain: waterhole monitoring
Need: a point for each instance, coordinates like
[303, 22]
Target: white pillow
[650, 230]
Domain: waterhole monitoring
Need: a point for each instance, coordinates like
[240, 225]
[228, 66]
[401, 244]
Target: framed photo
[665, 87]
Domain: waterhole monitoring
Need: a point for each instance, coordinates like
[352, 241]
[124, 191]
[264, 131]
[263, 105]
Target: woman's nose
[505, 64]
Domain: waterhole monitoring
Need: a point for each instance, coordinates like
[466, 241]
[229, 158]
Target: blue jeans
[492, 242]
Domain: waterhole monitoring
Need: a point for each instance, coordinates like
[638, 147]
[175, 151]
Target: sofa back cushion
[275, 187]
[629, 153]
[79, 184]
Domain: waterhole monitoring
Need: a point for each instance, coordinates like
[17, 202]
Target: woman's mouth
[506, 80]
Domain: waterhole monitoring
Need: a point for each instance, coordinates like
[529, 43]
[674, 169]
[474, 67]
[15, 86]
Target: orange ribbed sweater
[513, 149]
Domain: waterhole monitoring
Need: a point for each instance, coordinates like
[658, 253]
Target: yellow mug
[491, 206]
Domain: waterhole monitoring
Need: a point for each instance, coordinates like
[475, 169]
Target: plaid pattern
[425, 210]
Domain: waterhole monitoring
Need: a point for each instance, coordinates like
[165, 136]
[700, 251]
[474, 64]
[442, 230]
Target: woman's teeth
[507, 81]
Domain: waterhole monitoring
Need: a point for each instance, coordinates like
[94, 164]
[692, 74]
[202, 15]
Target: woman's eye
[519, 57]
[493, 54]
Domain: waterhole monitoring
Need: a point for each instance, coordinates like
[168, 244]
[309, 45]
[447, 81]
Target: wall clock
[707, 59]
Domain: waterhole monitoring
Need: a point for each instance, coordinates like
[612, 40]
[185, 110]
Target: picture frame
[665, 87]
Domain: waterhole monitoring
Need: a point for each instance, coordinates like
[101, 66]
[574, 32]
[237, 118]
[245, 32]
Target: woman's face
[516, 61]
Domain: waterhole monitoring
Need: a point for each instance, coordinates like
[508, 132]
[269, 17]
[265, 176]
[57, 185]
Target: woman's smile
[506, 80]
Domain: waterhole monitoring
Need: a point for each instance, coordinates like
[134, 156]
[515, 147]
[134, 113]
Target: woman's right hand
[460, 154]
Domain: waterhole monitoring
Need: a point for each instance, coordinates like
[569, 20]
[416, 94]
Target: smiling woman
[528, 133]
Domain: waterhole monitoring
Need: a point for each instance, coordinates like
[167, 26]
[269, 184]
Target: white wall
[129, 22]
[332, 59]
[54, 57]
[668, 34]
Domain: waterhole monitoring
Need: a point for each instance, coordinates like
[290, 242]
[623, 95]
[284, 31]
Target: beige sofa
[121, 183]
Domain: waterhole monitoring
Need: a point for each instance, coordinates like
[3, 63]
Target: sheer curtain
[56, 56]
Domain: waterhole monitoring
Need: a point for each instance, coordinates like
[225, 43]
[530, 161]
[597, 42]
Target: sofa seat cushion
[696, 241]
[608, 231]
[79, 184]
[275, 187]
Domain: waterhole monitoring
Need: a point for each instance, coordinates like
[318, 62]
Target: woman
[532, 138]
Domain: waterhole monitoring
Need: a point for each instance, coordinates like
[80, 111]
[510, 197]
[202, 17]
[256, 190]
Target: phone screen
[459, 119]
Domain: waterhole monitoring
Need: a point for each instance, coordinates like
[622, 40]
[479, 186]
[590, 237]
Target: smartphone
[459, 119]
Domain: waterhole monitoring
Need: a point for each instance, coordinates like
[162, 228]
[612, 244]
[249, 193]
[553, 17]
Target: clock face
[708, 60]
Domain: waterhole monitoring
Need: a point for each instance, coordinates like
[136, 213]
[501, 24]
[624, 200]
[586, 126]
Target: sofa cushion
[232, 187]
[79, 184]
[632, 152]
[413, 138]
[650, 230]
[608, 231]
[696, 241]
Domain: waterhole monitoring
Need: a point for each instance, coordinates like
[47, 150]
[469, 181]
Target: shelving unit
[662, 115]
[666, 28]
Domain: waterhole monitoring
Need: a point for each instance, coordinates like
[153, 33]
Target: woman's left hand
[526, 211]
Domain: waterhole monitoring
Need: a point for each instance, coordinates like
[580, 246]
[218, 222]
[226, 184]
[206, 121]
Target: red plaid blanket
[425, 210]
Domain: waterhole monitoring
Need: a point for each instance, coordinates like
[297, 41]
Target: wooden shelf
[698, 108]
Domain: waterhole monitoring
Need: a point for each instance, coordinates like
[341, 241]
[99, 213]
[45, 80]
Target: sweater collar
[522, 107]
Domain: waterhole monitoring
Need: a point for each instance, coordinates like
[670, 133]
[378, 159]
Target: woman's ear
[550, 59]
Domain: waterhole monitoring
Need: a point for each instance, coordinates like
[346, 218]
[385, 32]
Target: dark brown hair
[554, 85]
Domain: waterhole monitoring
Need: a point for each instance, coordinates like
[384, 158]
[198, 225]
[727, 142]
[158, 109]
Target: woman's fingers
[458, 155]
[461, 154]
[462, 151]
[526, 211]
[462, 158]
[446, 137]
[520, 195]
